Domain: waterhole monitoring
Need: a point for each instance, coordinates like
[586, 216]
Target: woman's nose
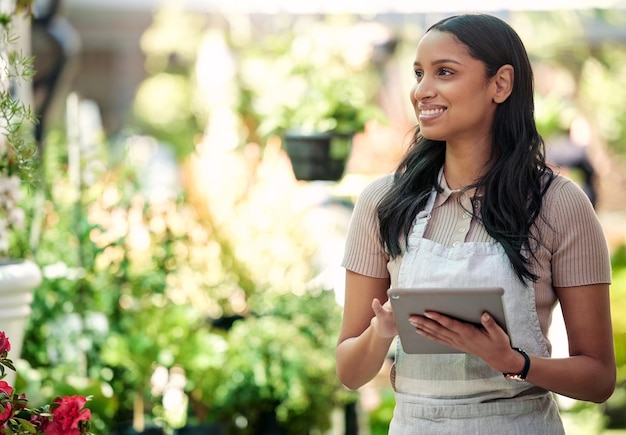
[422, 89]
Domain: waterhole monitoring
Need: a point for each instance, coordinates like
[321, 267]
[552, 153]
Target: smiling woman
[474, 204]
[454, 98]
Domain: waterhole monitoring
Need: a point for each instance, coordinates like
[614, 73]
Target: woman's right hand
[383, 322]
[364, 339]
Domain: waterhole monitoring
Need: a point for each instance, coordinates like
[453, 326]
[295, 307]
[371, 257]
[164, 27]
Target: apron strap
[422, 218]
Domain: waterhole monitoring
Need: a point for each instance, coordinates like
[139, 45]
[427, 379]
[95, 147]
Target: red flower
[5, 390]
[5, 345]
[39, 421]
[66, 416]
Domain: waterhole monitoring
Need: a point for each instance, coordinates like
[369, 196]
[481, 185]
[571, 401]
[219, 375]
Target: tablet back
[465, 304]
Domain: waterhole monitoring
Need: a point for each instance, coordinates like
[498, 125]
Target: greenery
[615, 405]
[134, 260]
[278, 367]
[168, 103]
[301, 79]
[585, 70]
[19, 165]
[18, 151]
[179, 309]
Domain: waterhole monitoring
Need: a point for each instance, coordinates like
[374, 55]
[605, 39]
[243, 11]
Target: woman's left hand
[487, 341]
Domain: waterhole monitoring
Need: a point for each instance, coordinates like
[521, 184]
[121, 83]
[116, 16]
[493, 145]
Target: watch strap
[522, 375]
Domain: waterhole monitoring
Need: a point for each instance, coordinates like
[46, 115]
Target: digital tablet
[466, 304]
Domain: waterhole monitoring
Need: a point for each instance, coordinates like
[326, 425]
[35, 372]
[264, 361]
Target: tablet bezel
[466, 304]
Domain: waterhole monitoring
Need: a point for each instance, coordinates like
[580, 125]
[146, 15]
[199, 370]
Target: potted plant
[313, 92]
[278, 370]
[317, 132]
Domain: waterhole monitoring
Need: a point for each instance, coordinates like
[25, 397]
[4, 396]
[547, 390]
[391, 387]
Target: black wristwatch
[522, 375]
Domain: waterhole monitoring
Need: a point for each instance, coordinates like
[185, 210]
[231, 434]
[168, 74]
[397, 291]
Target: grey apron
[459, 393]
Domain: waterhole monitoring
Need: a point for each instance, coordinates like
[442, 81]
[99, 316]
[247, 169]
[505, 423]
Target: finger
[431, 328]
[442, 336]
[429, 332]
[440, 318]
[489, 323]
[445, 321]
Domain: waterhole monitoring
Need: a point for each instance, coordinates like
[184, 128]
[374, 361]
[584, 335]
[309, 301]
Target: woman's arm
[367, 330]
[580, 260]
[573, 235]
[589, 372]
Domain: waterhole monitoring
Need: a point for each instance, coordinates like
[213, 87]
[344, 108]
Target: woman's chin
[431, 135]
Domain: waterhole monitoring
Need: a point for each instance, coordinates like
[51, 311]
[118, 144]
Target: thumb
[376, 306]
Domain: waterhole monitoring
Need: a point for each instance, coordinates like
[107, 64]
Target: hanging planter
[318, 156]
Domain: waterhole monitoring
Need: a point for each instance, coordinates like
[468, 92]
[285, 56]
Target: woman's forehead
[436, 44]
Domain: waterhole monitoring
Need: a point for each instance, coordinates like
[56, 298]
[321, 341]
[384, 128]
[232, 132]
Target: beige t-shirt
[573, 249]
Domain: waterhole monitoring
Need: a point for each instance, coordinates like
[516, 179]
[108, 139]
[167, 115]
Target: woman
[473, 202]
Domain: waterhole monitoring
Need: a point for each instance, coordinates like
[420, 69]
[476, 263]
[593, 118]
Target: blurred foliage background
[191, 282]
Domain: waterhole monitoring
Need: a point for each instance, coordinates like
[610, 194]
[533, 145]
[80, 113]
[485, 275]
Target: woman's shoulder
[566, 207]
[565, 193]
[375, 190]
[571, 231]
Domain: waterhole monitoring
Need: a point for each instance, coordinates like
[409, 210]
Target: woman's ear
[503, 81]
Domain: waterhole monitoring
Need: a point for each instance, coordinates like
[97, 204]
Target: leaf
[8, 363]
[26, 425]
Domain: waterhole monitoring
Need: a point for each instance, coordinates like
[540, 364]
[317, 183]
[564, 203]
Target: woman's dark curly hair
[516, 181]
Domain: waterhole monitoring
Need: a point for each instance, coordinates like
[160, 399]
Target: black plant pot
[318, 156]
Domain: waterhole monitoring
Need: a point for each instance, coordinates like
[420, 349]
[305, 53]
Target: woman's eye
[418, 74]
[445, 72]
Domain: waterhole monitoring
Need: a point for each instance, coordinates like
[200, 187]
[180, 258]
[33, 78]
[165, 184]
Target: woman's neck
[464, 167]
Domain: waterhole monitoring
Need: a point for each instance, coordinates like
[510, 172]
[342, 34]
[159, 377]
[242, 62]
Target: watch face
[514, 377]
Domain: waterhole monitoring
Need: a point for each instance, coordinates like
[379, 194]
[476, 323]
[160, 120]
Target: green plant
[168, 104]
[305, 81]
[113, 304]
[380, 417]
[278, 371]
[142, 283]
[277, 367]
[584, 418]
[615, 405]
[618, 310]
[589, 71]
[18, 151]
[335, 105]
[159, 275]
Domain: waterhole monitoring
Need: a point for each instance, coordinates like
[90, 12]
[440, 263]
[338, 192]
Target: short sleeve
[580, 254]
[364, 252]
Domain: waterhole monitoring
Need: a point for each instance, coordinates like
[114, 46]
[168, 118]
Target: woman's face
[452, 98]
